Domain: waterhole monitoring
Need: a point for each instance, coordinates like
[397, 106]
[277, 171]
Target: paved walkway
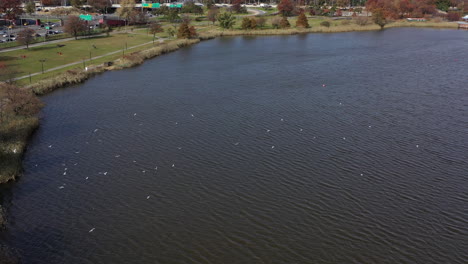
[79, 62]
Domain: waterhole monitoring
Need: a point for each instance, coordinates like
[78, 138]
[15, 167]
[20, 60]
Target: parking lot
[10, 34]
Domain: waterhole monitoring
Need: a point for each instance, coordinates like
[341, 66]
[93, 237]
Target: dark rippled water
[233, 151]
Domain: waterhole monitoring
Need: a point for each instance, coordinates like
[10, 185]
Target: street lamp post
[42, 63]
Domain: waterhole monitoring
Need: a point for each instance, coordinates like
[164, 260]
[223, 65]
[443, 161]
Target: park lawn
[27, 61]
[94, 62]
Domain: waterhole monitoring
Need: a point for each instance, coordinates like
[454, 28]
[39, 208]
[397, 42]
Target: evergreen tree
[302, 21]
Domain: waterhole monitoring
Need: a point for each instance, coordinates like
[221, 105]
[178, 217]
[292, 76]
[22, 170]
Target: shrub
[361, 21]
[284, 23]
[260, 21]
[325, 24]
[275, 22]
[345, 22]
[249, 23]
[226, 20]
[302, 21]
[245, 23]
[453, 16]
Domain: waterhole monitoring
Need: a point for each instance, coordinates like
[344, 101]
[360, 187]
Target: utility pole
[42, 63]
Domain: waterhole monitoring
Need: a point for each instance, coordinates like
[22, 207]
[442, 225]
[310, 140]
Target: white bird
[268, 130]
[192, 115]
[417, 146]
[92, 229]
[282, 119]
[61, 187]
[272, 147]
[75, 164]
[362, 174]
[134, 114]
[173, 165]
[340, 103]
[50, 146]
[323, 85]
[77, 152]
[370, 126]
[176, 123]
[237, 143]
[156, 168]
[66, 169]
[143, 171]
[87, 178]
[147, 197]
[65, 173]
[95, 130]
[179, 147]
[105, 173]
[14, 151]
[134, 161]
[300, 129]
[117, 156]
[344, 138]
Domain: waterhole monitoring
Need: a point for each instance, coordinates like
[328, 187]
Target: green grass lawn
[27, 61]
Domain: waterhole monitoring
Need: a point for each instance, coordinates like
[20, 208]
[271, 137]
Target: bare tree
[74, 26]
[154, 28]
[26, 36]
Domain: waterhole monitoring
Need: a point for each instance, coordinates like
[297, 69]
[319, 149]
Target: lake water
[319, 148]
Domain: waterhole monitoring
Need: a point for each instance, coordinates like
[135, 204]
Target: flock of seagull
[173, 164]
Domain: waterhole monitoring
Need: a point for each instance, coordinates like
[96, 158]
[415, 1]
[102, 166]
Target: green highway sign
[86, 17]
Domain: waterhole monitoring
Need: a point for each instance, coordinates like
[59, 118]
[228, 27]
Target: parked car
[8, 36]
[10, 39]
[50, 32]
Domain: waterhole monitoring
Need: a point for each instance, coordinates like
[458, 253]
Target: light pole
[42, 63]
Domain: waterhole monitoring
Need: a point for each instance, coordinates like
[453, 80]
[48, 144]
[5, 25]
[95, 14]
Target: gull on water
[300, 129]
[92, 229]
[134, 114]
[272, 147]
[117, 156]
[344, 138]
[14, 151]
[237, 143]
[105, 173]
[268, 130]
[61, 187]
[282, 119]
[65, 173]
[156, 168]
[87, 178]
[192, 115]
[50, 146]
[95, 130]
[173, 165]
[417, 146]
[147, 197]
